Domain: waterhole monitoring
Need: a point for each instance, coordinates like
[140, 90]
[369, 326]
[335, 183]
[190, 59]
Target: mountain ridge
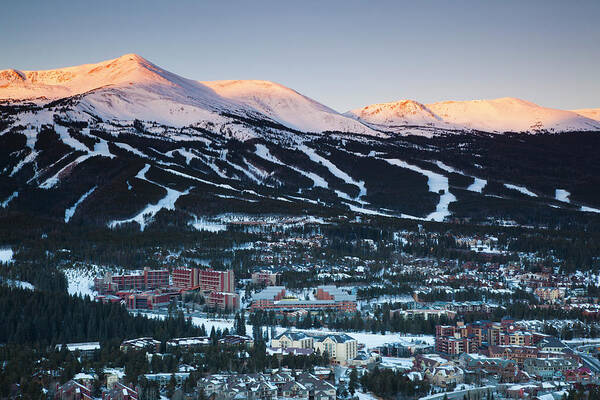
[131, 87]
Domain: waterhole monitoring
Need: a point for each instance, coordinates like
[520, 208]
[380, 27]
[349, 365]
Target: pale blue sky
[345, 54]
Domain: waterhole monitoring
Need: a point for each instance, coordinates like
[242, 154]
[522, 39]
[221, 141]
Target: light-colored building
[299, 340]
[340, 347]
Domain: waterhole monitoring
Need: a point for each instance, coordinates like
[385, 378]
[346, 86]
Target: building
[149, 279]
[145, 343]
[190, 343]
[292, 339]
[206, 280]
[262, 386]
[549, 368]
[516, 353]
[445, 375]
[73, 390]
[120, 392]
[223, 300]
[423, 312]
[86, 350]
[327, 298]
[340, 347]
[148, 300]
[266, 278]
[236, 340]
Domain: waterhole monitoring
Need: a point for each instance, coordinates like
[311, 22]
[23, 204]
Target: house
[445, 375]
[120, 392]
[73, 390]
[294, 390]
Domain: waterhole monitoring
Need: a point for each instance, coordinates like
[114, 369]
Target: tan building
[340, 347]
[288, 339]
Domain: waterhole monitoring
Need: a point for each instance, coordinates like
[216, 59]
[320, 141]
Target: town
[480, 329]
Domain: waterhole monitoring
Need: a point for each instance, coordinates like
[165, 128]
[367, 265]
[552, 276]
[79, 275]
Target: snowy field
[80, 281]
[6, 255]
[18, 284]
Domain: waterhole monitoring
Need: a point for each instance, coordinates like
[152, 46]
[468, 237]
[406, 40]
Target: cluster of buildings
[152, 289]
[327, 298]
[267, 386]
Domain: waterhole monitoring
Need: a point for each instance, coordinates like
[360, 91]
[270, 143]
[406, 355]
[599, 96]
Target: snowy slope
[510, 114]
[591, 113]
[499, 115]
[286, 106]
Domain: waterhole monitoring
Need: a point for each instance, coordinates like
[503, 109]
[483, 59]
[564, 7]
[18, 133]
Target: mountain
[499, 115]
[127, 144]
[398, 116]
[286, 106]
[130, 87]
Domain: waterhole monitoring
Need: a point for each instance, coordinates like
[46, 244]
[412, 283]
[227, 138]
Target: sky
[345, 54]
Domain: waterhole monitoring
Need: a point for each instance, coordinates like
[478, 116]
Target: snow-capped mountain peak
[402, 112]
[507, 114]
[286, 106]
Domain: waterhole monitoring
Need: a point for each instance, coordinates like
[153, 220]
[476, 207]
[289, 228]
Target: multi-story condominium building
[291, 339]
[149, 279]
[340, 347]
[207, 280]
[223, 300]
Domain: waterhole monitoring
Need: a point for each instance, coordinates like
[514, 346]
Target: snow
[521, 189]
[397, 363]
[589, 209]
[130, 87]
[80, 281]
[146, 215]
[69, 212]
[10, 198]
[562, 195]
[204, 224]
[436, 183]
[591, 113]
[312, 154]
[365, 396]
[476, 186]
[286, 106]
[17, 284]
[6, 255]
[131, 149]
[263, 152]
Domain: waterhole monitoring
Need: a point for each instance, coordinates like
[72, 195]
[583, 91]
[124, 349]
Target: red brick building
[223, 300]
[206, 280]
